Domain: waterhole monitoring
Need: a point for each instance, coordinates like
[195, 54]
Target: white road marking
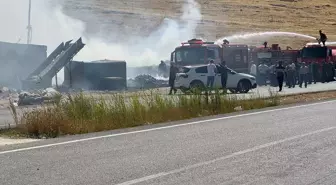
[162, 174]
[164, 127]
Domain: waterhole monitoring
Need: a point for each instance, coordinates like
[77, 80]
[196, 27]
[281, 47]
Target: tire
[244, 86]
[197, 85]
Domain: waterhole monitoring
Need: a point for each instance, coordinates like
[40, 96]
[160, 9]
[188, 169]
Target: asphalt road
[289, 145]
[7, 118]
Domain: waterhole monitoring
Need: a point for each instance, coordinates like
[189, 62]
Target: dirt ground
[307, 97]
[219, 17]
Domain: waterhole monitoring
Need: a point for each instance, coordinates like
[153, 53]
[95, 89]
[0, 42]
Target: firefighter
[224, 75]
[323, 38]
[172, 76]
[303, 75]
[280, 73]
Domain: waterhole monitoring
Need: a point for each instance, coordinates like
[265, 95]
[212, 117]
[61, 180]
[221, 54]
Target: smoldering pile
[146, 81]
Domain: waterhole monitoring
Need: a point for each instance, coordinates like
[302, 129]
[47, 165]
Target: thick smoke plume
[51, 27]
[150, 50]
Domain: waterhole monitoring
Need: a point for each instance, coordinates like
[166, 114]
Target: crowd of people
[294, 73]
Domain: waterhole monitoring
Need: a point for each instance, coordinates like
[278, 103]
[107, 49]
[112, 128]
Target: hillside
[219, 17]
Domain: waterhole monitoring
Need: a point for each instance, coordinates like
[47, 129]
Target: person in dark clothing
[163, 68]
[280, 73]
[315, 70]
[172, 76]
[291, 75]
[297, 75]
[303, 75]
[323, 38]
[224, 75]
[310, 73]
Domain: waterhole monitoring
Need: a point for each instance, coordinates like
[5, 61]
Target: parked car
[191, 77]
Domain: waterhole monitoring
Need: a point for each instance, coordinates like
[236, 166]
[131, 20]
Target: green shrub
[79, 113]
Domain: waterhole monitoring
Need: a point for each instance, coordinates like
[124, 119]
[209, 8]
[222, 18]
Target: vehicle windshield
[190, 55]
[319, 52]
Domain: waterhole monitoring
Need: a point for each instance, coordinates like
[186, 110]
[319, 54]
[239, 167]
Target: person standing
[280, 74]
[253, 69]
[303, 75]
[272, 75]
[323, 38]
[172, 76]
[291, 75]
[310, 73]
[224, 75]
[163, 68]
[211, 74]
[315, 71]
[263, 69]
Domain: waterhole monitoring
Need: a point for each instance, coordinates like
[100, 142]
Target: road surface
[288, 145]
[7, 118]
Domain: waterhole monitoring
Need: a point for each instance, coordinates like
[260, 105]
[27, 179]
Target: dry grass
[220, 17]
[80, 114]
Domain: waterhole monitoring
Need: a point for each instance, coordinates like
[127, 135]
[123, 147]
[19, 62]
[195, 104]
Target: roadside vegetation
[79, 113]
[82, 113]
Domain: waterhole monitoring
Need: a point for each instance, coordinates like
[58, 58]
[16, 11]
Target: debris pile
[37, 97]
[146, 82]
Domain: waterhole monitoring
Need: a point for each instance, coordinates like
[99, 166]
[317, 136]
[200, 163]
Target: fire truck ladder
[62, 55]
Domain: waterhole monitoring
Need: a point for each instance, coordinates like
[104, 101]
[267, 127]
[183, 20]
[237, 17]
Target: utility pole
[29, 27]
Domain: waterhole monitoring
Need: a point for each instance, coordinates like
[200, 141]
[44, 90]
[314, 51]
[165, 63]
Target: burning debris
[20, 98]
[38, 97]
[146, 81]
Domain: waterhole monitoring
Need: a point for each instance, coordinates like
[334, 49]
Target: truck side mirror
[171, 56]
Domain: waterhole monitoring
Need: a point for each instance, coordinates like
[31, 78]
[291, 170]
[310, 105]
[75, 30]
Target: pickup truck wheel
[244, 86]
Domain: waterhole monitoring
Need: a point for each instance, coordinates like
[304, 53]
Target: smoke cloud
[51, 27]
[139, 51]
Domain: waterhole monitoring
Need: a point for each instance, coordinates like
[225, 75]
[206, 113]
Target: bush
[80, 114]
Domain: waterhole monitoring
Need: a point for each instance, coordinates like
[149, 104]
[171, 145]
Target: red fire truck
[323, 56]
[271, 55]
[317, 53]
[237, 56]
[196, 51]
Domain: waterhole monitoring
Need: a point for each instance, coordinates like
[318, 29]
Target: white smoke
[51, 27]
[158, 45]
